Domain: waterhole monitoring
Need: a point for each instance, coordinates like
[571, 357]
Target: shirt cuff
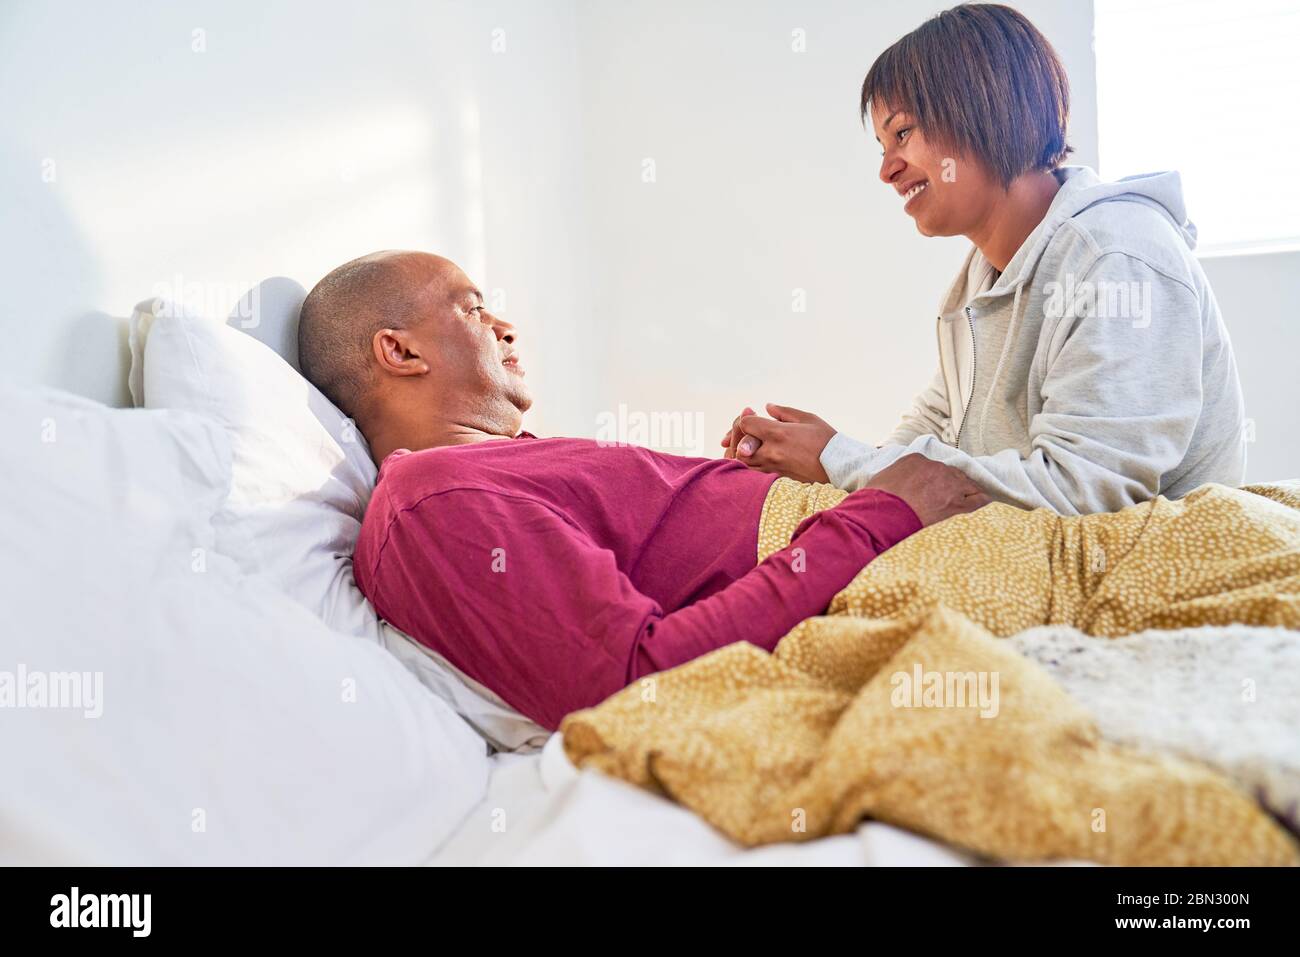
[845, 459]
[902, 519]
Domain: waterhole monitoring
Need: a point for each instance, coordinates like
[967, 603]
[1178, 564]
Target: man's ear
[396, 353]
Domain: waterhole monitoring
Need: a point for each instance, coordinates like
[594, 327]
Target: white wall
[303, 135]
[766, 182]
[308, 133]
[1260, 297]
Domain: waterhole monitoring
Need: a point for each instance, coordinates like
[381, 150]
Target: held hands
[790, 443]
[933, 490]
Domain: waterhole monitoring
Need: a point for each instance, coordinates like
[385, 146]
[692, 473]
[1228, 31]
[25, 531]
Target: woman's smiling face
[945, 195]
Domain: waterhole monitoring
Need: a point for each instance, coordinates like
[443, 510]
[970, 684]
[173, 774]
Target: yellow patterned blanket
[902, 705]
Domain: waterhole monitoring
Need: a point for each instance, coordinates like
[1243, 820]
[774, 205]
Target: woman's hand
[731, 440]
[790, 443]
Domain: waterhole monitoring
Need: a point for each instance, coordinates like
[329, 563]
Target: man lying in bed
[556, 571]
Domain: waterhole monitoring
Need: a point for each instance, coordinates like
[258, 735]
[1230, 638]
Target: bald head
[342, 313]
[404, 345]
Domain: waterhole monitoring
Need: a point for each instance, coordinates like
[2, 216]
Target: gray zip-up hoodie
[1094, 373]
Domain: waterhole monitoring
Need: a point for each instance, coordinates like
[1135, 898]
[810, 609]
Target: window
[1208, 88]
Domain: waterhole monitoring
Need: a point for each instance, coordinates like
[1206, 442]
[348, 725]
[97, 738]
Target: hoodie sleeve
[929, 414]
[1121, 400]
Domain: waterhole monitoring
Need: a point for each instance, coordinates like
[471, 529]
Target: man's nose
[504, 331]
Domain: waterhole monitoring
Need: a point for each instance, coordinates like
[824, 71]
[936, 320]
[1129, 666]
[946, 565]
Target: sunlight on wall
[290, 196]
[475, 263]
[1206, 88]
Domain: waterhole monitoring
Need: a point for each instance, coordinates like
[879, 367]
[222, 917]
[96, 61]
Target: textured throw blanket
[1228, 696]
[902, 704]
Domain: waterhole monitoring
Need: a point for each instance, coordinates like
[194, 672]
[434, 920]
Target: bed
[539, 810]
[192, 556]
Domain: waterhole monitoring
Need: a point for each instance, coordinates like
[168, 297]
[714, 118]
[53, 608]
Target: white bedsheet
[540, 810]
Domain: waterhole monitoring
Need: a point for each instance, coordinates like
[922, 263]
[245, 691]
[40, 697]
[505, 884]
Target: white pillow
[301, 477]
[301, 474]
[214, 721]
[169, 470]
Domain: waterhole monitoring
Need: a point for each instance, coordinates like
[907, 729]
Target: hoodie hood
[1081, 190]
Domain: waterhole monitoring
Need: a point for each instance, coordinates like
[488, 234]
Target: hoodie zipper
[970, 321]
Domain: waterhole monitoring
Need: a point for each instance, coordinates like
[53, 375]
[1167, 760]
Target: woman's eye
[900, 136]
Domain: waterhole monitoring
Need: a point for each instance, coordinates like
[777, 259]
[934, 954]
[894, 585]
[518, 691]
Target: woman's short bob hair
[980, 80]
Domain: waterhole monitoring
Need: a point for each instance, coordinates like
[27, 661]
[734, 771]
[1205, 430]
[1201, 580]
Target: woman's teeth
[914, 190]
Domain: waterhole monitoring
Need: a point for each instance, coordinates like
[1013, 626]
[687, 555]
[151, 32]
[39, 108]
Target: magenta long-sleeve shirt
[557, 571]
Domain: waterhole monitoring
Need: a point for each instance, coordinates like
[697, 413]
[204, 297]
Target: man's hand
[790, 443]
[934, 491]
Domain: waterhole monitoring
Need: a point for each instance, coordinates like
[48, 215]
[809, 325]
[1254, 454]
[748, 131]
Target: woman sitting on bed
[1083, 362]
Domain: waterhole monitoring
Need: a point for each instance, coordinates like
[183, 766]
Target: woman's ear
[395, 351]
